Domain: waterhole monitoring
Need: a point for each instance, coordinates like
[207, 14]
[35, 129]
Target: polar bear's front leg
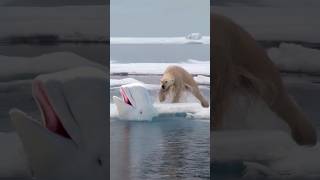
[162, 95]
[176, 97]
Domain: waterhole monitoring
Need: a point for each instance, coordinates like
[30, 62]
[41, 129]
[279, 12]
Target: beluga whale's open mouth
[51, 119]
[125, 96]
[135, 104]
[69, 142]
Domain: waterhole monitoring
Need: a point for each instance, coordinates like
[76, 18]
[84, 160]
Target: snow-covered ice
[160, 40]
[158, 68]
[202, 79]
[119, 82]
[295, 58]
[19, 68]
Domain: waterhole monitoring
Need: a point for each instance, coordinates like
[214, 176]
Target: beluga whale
[71, 141]
[135, 103]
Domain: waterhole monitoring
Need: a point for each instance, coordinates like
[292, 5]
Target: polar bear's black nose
[162, 86]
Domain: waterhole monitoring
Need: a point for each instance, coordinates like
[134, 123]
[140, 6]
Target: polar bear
[175, 81]
[239, 64]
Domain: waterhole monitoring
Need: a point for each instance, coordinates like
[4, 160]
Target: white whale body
[135, 103]
[71, 141]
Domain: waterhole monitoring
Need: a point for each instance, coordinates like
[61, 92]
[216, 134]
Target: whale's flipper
[41, 145]
[122, 107]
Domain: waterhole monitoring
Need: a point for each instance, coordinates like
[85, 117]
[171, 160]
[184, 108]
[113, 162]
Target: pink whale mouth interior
[51, 118]
[125, 97]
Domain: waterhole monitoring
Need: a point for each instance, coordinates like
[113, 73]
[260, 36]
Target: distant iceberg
[194, 36]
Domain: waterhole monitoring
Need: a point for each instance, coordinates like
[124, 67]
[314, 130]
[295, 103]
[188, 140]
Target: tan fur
[175, 80]
[239, 64]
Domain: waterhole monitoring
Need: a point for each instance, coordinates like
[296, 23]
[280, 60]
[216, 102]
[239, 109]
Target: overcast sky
[145, 18]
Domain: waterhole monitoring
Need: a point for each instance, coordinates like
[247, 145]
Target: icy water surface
[166, 148]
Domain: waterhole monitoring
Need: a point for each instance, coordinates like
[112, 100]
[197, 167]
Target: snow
[119, 82]
[194, 61]
[296, 58]
[19, 68]
[160, 40]
[158, 68]
[202, 79]
[201, 114]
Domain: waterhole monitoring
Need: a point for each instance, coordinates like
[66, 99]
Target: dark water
[159, 53]
[166, 148]
[96, 52]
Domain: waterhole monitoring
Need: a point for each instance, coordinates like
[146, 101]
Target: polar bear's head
[166, 81]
